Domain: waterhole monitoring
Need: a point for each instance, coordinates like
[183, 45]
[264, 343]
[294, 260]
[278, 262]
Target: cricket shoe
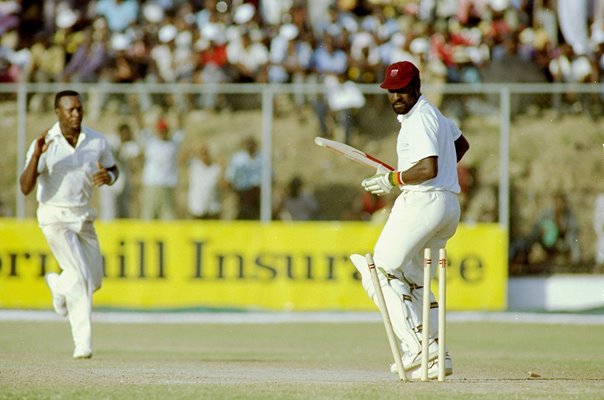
[58, 300]
[432, 365]
[414, 360]
[82, 354]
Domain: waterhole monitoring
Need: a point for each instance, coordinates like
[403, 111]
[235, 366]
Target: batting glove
[378, 184]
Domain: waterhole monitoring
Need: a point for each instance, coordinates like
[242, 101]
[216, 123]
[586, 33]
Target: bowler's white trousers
[72, 238]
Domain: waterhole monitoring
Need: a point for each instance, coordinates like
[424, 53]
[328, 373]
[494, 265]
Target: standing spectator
[327, 61]
[297, 204]
[67, 161]
[425, 215]
[344, 99]
[116, 200]
[205, 181]
[244, 176]
[160, 170]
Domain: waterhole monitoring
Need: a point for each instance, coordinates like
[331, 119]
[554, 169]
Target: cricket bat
[354, 154]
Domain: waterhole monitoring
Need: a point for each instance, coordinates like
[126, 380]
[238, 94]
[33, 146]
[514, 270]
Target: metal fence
[498, 103]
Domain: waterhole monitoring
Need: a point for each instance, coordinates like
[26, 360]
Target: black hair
[64, 93]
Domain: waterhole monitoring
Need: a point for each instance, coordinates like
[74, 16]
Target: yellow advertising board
[242, 265]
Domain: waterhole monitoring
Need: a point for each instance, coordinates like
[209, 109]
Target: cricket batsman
[425, 214]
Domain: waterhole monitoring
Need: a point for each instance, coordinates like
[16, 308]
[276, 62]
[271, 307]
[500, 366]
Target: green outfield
[294, 361]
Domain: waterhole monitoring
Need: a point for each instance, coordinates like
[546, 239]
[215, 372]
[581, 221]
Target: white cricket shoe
[81, 354]
[58, 300]
[414, 360]
[414, 373]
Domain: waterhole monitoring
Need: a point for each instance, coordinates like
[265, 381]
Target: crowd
[211, 41]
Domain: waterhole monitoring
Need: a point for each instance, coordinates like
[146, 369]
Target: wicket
[394, 345]
[442, 313]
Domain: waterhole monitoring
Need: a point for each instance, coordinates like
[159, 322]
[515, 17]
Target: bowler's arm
[29, 176]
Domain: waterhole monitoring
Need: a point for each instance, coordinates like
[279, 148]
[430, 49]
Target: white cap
[153, 12]
[244, 13]
[419, 45]
[167, 33]
[120, 41]
[66, 18]
[288, 31]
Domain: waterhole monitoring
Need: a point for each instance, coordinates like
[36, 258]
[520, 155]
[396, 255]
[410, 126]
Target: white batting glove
[378, 184]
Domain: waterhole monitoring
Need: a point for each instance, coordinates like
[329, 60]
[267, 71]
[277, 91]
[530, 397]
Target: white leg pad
[398, 301]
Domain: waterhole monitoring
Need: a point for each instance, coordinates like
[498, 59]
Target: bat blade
[353, 154]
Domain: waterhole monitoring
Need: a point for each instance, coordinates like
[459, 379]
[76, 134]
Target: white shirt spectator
[161, 157]
[203, 196]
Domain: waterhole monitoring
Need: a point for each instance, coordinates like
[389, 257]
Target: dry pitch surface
[326, 360]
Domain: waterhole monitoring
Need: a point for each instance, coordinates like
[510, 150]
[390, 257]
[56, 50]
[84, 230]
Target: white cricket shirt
[66, 172]
[426, 132]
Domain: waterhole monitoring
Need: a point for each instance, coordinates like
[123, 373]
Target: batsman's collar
[399, 74]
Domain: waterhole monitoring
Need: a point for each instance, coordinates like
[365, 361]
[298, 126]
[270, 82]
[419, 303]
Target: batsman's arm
[425, 169]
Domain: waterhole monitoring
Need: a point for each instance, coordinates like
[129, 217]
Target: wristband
[112, 176]
[396, 178]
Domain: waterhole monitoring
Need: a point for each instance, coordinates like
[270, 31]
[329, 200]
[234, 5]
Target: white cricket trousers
[418, 220]
[72, 238]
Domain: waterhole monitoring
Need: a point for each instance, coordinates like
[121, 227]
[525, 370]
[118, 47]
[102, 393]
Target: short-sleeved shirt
[425, 132]
[161, 159]
[65, 172]
[244, 171]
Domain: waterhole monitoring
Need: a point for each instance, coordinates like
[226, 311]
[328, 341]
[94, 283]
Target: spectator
[212, 64]
[249, 57]
[344, 98]
[556, 233]
[371, 204]
[47, 65]
[297, 204]
[160, 170]
[120, 14]
[205, 182]
[116, 200]
[244, 175]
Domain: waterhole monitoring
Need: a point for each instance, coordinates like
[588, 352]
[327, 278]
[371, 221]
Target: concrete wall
[564, 292]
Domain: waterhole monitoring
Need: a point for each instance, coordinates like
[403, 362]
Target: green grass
[294, 361]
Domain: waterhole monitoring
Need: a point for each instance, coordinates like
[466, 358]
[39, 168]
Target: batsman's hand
[378, 184]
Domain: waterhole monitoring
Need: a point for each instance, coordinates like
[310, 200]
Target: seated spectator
[297, 204]
[555, 233]
[120, 14]
[249, 57]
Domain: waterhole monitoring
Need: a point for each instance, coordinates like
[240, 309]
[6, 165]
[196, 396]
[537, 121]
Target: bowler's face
[70, 113]
[403, 100]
